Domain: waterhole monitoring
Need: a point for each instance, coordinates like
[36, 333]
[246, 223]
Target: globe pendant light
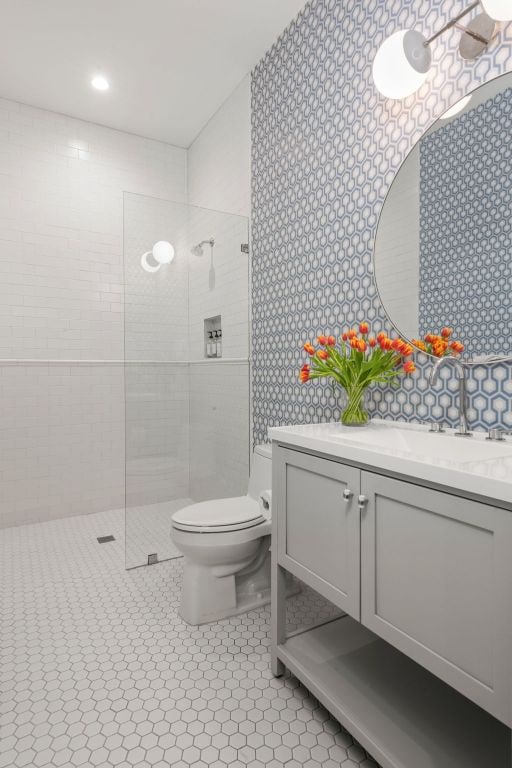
[403, 60]
[163, 252]
[401, 64]
[499, 10]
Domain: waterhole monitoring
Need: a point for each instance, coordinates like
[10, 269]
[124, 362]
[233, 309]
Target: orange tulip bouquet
[355, 362]
[440, 344]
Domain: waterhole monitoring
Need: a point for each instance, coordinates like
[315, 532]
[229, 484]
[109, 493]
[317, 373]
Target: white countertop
[470, 464]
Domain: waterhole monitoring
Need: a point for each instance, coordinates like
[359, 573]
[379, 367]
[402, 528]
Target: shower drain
[104, 539]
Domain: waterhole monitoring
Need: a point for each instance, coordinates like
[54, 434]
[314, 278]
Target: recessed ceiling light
[100, 83]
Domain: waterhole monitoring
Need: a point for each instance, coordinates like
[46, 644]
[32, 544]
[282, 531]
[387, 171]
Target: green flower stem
[354, 371]
[355, 413]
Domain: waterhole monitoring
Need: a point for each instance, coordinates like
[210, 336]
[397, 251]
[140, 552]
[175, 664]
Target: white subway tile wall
[61, 441]
[219, 282]
[61, 229]
[62, 428]
[219, 177]
[219, 430]
[61, 296]
[157, 433]
[156, 303]
[219, 160]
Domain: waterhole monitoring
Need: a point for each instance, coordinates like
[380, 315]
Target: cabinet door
[436, 583]
[318, 525]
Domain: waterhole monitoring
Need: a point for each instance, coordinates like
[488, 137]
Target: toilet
[225, 544]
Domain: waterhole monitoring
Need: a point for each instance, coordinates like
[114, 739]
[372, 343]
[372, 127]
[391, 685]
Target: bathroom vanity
[409, 533]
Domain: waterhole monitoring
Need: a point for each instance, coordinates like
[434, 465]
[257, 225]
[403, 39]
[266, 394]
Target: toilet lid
[219, 515]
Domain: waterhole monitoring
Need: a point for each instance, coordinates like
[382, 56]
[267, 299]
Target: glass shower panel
[157, 404]
[187, 415]
[156, 376]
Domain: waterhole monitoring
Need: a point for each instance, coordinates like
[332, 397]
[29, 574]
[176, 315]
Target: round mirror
[443, 251]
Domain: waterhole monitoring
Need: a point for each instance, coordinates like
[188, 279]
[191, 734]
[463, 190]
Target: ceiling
[170, 63]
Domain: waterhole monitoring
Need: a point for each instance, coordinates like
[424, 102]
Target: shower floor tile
[98, 670]
[148, 531]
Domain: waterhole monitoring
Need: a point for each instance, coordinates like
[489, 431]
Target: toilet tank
[261, 470]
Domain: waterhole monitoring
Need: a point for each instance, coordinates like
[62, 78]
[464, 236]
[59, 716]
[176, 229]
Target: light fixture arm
[475, 35]
[403, 60]
[452, 23]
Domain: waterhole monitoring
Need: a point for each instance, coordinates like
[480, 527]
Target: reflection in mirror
[443, 252]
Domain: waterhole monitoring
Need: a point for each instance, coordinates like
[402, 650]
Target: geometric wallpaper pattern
[325, 149]
[466, 227]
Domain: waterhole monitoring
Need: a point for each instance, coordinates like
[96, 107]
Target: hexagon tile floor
[99, 670]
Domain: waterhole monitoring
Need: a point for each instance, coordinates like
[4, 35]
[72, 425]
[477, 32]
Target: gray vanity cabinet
[318, 535]
[433, 571]
[418, 668]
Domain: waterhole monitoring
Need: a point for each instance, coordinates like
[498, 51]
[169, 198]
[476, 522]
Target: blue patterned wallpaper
[326, 147]
[465, 259]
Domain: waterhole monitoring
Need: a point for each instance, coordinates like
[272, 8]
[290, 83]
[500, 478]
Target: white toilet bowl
[225, 544]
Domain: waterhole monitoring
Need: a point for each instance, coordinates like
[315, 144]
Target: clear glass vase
[355, 413]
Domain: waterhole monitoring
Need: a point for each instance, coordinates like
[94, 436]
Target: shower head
[197, 250]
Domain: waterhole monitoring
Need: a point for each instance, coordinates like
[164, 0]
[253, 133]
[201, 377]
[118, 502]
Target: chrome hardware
[498, 434]
[362, 501]
[437, 426]
[463, 430]
[476, 36]
[347, 494]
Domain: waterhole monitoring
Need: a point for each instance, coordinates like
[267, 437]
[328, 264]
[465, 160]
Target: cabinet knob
[347, 494]
[362, 501]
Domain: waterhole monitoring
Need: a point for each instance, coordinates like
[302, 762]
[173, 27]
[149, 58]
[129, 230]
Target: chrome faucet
[461, 377]
[497, 433]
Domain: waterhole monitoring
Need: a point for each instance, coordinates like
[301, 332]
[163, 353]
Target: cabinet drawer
[317, 528]
[436, 582]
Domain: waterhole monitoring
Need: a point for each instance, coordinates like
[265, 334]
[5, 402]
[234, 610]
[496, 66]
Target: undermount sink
[417, 441]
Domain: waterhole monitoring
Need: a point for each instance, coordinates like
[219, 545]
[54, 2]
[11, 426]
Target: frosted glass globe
[146, 266]
[458, 107]
[163, 252]
[401, 64]
[499, 10]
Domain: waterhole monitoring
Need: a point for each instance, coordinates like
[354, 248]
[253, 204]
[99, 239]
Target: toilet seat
[219, 515]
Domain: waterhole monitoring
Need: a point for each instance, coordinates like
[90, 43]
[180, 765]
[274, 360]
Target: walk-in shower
[187, 414]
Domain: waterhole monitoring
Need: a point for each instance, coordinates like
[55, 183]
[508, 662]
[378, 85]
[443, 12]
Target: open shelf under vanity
[401, 713]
